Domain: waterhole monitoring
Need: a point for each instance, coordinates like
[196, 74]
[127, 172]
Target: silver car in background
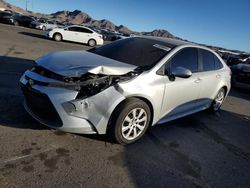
[44, 24]
[124, 87]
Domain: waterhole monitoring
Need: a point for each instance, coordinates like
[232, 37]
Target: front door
[181, 94]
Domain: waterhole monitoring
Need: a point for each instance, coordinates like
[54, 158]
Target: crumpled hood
[77, 63]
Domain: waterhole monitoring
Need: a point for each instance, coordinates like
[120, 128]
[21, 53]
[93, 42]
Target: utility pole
[26, 5]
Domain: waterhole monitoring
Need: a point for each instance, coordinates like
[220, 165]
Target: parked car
[22, 20]
[3, 15]
[241, 74]
[111, 35]
[76, 33]
[44, 24]
[124, 87]
[36, 23]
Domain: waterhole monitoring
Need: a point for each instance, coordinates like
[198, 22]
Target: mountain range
[79, 17]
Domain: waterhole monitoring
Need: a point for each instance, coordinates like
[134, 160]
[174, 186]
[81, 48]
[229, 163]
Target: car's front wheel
[217, 102]
[16, 23]
[130, 121]
[92, 42]
[57, 37]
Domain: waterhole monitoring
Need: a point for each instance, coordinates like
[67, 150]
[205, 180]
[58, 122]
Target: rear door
[181, 94]
[210, 75]
[85, 35]
[71, 34]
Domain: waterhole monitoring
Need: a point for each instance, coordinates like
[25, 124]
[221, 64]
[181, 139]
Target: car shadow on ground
[12, 113]
[34, 35]
[184, 152]
[240, 93]
[45, 37]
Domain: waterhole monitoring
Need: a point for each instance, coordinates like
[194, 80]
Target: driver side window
[187, 58]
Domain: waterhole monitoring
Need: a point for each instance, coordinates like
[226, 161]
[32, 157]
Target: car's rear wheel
[57, 37]
[218, 100]
[92, 42]
[130, 121]
[16, 23]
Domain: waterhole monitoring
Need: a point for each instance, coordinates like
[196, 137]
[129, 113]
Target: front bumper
[100, 42]
[57, 107]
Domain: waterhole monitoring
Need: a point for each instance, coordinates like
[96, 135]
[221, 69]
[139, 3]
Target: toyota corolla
[123, 88]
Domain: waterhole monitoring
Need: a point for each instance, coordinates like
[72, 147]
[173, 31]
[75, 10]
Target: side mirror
[181, 72]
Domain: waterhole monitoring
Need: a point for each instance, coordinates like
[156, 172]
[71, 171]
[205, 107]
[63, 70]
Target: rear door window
[85, 30]
[76, 29]
[209, 61]
[217, 63]
[50, 22]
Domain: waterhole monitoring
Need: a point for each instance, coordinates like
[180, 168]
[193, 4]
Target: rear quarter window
[217, 63]
[207, 59]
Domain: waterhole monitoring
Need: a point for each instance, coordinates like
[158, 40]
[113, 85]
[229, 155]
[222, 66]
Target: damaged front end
[87, 84]
[81, 101]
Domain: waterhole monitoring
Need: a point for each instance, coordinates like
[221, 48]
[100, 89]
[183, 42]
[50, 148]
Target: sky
[224, 23]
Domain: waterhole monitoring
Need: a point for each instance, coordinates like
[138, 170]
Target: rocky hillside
[79, 17]
[75, 17]
[159, 33]
[8, 6]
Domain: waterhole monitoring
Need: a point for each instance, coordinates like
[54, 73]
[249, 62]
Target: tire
[92, 42]
[16, 23]
[218, 100]
[57, 37]
[44, 28]
[130, 121]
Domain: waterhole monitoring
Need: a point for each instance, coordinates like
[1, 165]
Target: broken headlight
[98, 83]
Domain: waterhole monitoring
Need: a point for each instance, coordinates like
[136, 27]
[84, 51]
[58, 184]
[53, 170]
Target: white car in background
[76, 33]
[44, 24]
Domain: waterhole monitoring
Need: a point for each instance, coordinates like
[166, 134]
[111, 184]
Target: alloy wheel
[218, 100]
[134, 123]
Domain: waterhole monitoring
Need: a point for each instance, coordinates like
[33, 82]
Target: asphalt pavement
[201, 150]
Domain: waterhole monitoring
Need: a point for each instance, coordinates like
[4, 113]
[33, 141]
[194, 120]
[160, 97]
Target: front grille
[40, 104]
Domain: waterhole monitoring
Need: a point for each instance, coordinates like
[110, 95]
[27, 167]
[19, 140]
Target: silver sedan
[124, 87]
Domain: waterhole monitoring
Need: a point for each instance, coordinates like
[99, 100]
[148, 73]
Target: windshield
[136, 51]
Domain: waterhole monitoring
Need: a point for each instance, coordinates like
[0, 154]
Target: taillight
[101, 36]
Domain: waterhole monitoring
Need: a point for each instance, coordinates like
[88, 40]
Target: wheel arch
[147, 101]
[225, 88]
[92, 39]
[57, 33]
[150, 107]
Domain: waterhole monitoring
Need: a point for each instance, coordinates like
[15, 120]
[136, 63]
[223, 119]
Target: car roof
[79, 26]
[172, 42]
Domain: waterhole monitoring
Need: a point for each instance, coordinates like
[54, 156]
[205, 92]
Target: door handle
[198, 80]
[218, 76]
